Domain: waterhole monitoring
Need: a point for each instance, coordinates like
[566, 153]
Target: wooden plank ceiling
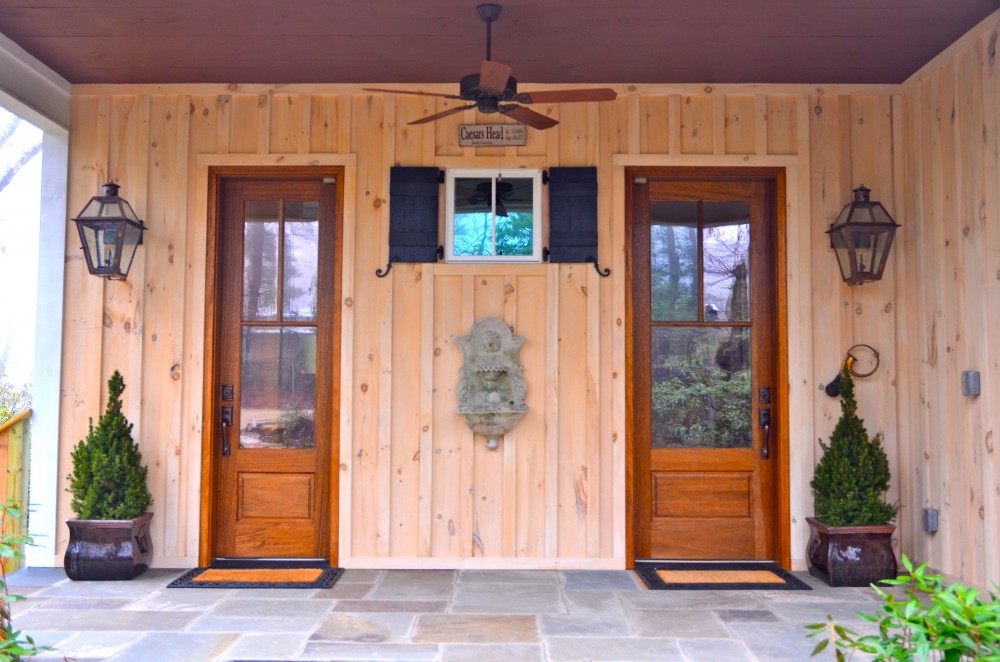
[431, 41]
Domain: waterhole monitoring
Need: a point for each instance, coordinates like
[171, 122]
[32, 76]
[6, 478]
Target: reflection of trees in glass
[697, 401]
[260, 270]
[474, 233]
[726, 273]
[673, 265]
[300, 270]
[278, 387]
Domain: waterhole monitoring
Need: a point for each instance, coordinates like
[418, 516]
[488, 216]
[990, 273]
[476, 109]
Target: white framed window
[493, 215]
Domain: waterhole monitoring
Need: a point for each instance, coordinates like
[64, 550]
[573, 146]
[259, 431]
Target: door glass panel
[278, 388]
[701, 387]
[726, 261]
[674, 261]
[301, 261]
[260, 261]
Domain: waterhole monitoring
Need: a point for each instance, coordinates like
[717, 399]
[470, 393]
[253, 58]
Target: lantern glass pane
[128, 254]
[109, 211]
[128, 212]
[93, 209]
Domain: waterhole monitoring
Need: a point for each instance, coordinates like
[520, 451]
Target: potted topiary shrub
[850, 542]
[110, 539]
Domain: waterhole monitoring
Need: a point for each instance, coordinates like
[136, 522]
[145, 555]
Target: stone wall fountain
[492, 389]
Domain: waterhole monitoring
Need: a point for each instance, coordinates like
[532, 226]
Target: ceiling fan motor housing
[470, 91]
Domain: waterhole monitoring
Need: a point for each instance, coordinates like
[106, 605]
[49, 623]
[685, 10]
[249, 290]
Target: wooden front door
[274, 394]
[704, 392]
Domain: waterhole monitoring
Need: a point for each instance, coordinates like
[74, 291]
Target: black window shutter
[413, 214]
[573, 215]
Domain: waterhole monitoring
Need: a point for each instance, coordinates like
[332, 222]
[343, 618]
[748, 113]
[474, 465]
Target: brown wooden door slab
[703, 313]
[274, 399]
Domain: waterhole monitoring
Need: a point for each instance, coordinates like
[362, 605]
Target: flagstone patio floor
[443, 615]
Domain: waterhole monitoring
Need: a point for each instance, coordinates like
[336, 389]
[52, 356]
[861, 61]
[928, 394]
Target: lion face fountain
[492, 390]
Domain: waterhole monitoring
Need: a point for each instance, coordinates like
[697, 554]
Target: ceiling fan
[494, 90]
[484, 193]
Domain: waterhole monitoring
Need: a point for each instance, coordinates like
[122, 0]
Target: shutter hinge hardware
[379, 273]
[603, 273]
[545, 177]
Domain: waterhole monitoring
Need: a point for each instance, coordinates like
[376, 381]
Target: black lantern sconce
[111, 234]
[862, 236]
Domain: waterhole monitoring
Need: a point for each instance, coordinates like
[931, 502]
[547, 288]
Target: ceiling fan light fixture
[489, 11]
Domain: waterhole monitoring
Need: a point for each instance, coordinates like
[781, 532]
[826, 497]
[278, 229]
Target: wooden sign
[491, 135]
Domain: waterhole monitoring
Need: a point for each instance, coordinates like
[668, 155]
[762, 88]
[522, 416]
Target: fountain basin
[494, 423]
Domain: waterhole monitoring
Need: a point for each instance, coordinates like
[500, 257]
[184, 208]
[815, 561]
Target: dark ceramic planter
[102, 550]
[851, 555]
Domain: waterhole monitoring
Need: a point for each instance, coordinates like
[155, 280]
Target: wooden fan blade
[493, 76]
[527, 116]
[446, 113]
[561, 96]
[426, 94]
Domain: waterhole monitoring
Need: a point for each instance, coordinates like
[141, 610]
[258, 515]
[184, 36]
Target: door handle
[764, 420]
[227, 422]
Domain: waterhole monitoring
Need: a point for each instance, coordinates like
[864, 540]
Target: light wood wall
[416, 488]
[949, 304]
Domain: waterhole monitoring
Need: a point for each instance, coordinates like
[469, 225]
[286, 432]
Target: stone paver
[492, 653]
[398, 652]
[604, 580]
[415, 585]
[614, 649]
[83, 645]
[585, 625]
[440, 616]
[160, 647]
[714, 650]
[368, 627]
[475, 629]
[509, 599]
[266, 647]
[694, 623]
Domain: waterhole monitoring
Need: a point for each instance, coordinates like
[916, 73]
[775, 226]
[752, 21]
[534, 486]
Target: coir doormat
[261, 575]
[717, 576]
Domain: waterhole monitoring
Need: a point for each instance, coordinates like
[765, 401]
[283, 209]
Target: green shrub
[853, 474]
[937, 621]
[108, 480]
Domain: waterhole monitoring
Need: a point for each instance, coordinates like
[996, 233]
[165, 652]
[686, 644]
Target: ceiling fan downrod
[489, 12]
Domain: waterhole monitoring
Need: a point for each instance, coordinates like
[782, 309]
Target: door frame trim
[212, 171]
[782, 505]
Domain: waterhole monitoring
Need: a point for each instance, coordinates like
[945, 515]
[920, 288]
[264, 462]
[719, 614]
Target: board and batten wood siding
[949, 305]
[416, 488]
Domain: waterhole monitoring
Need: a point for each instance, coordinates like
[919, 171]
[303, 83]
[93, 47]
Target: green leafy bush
[853, 474]
[108, 480]
[937, 621]
[14, 644]
[13, 399]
